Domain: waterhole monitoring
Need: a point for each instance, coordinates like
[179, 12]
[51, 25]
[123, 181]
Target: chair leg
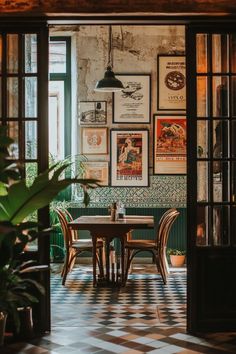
[128, 263]
[100, 262]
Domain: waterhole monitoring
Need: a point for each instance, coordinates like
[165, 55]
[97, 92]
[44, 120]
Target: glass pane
[12, 53]
[0, 97]
[202, 92]
[12, 97]
[220, 96]
[202, 226]
[202, 181]
[233, 176]
[233, 140]
[0, 53]
[30, 53]
[56, 119]
[221, 173]
[233, 95]
[220, 139]
[13, 130]
[31, 171]
[220, 50]
[233, 223]
[201, 53]
[202, 138]
[57, 57]
[221, 225]
[233, 52]
[31, 97]
[31, 140]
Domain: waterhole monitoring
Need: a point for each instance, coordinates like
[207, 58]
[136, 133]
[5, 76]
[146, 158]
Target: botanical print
[129, 158]
[172, 83]
[170, 145]
[94, 140]
[132, 104]
[93, 112]
[96, 170]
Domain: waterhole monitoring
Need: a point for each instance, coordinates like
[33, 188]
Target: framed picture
[169, 144]
[97, 170]
[132, 104]
[94, 140]
[171, 82]
[92, 112]
[129, 157]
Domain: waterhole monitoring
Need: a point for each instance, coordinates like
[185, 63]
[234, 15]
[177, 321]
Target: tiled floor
[143, 317]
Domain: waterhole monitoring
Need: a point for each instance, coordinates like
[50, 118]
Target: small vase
[3, 317]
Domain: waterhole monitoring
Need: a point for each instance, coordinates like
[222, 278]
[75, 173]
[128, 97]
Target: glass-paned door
[24, 110]
[211, 59]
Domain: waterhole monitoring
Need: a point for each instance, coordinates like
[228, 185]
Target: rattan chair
[74, 246]
[156, 247]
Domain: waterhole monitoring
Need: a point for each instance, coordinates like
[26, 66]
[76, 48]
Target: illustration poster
[170, 145]
[171, 82]
[129, 158]
[132, 104]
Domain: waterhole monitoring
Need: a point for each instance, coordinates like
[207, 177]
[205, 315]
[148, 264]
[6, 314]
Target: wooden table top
[136, 221]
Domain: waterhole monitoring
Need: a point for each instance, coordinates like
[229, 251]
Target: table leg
[122, 260]
[107, 251]
[94, 256]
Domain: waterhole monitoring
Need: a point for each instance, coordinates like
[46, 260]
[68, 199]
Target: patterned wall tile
[163, 192]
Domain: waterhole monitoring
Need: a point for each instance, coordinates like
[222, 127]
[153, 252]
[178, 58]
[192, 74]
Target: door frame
[124, 19]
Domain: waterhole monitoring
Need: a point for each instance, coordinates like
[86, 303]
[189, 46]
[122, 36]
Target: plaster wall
[135, 50]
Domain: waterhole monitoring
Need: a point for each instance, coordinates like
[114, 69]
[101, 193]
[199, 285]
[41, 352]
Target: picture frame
[93, 112]
[133, 103]
[169, 143]
[97, 170]
[171, 87]
[129, 157]
[94, 140]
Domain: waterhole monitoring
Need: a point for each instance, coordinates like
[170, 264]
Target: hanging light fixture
[109, 83]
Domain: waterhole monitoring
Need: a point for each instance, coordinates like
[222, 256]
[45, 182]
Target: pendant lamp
[109, 83]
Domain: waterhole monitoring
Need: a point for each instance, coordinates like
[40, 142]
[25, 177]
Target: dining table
[103, 227]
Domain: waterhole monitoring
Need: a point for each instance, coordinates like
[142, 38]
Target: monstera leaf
[22, 200]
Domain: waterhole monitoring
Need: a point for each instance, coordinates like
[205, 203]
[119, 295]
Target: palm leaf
[22, 200]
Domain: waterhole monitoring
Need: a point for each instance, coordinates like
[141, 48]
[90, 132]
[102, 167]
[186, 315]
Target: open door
[24, 109]
[211, 108]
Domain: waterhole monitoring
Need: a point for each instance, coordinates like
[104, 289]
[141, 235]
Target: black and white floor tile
[145, 316]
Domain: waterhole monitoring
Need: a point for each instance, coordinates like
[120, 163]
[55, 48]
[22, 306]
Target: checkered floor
[143, 317]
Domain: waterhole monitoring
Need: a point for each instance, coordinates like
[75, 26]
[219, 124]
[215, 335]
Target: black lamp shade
[109, 83]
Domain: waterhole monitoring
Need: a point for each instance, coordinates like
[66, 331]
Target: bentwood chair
[156, 247]
[74, 246]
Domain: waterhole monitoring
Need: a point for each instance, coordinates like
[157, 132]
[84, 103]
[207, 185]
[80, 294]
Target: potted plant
[177, 257]
[17, 202]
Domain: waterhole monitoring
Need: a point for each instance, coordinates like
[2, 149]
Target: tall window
[60, 97]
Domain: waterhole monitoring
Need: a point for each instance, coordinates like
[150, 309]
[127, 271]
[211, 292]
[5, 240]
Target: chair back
[164, 228]
[65, 229]
[74, 233]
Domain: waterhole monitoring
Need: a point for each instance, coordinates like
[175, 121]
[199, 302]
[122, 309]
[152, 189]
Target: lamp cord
[110, 53]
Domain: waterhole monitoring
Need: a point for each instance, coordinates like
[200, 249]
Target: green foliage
[18, 200]
[175, 252]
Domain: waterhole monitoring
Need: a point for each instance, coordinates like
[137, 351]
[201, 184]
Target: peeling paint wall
[135, 50]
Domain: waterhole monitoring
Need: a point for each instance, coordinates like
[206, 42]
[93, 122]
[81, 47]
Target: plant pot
[26, 323]
[3, 318]
[177, 261]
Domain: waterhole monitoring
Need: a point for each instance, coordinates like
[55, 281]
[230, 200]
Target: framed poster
[97, 170]
[169, 144]
[129, 157]
[92, 112]
[171, 82]
[94, 140]
[132, 104]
